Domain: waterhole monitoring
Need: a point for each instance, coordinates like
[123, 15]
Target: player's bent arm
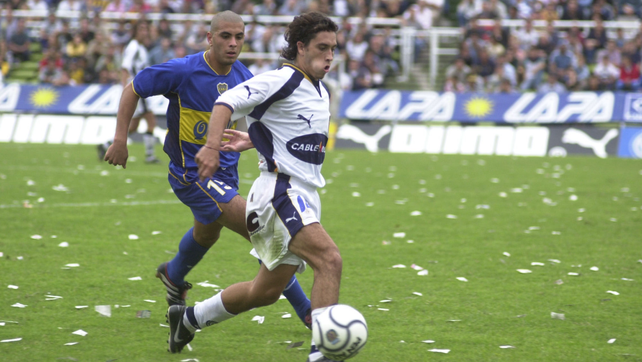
[208, 157]
[126, 109]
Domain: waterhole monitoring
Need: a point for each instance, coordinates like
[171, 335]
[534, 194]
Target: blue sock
[189, 254]
[297, 298]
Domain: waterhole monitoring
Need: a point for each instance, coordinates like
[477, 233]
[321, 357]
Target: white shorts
[277, 208]
[141, 108]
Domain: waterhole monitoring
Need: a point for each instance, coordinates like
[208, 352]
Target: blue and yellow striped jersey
[192, 87]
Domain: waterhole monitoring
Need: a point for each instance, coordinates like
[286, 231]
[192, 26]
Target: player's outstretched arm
[237, 141]
[208, 158]
[117, 153]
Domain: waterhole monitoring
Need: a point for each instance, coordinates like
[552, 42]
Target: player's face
[316, 58]
[226, 42]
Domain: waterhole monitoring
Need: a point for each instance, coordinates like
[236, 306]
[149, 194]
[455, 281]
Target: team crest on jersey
[222, 87]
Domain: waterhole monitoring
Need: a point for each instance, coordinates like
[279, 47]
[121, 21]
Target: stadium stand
[499, 46]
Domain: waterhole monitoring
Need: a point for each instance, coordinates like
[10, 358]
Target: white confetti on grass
[418, 294]
[82, 306]
[506, 346]
[415, 213]
[627, 279]
[383, 309]
[428, 341]
[207, 284]
[573, 198]
[80, 332]
[60, 187]
[50, 297]
[594, 268]
[104, 310]
[36, 237]
[19, 305]
[503, 194]
[72, 265]
[554, 261]
[524, 271]
[612, 292]
[423, 272]
[536, 263]
[71, 343]
[451, 216]
[286, 316]
[133, 237]
[559, 316]
[398, 266]
[156, 232]
[462, 279]
[356, 194]
[64, 244]
[135, 278]
[437, 350]
[416, 267]
[611, 341]
[369, 204]
[10, 286]
[258, 318]
[506, 254]
[399, 235]
[11, 340]
[573, 274]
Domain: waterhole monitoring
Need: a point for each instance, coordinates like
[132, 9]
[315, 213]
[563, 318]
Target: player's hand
[117, 154]
[237, 141]
[208, 161]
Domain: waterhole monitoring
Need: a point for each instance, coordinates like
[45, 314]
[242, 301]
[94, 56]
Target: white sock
[209, 312]
[149, 140]
[315, 355]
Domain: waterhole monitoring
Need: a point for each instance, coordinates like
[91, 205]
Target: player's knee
[333, 261]
[207, 239]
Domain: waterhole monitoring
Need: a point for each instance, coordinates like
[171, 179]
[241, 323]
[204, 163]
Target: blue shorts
[204, 198]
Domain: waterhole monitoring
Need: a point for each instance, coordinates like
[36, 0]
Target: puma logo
[306, 119]
[354, 134]
[580, 138]
[291, 218]
[249, 92]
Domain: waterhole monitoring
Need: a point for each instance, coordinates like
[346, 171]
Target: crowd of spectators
[549, 59]
[87, 50]
[491, 59]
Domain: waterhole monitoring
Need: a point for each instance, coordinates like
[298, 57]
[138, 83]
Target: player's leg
[264, 290]
[148, 137]
[191, 249]
[233, 218]
[313, 244]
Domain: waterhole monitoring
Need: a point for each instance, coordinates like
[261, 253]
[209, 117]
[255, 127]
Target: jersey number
[211, 184]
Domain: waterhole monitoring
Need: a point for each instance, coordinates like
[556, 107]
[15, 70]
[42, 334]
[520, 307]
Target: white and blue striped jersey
[288, 117]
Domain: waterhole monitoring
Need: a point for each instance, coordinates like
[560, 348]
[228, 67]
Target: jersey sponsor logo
[221, 87]
[200, 130]
[309, 120]
[309, 148]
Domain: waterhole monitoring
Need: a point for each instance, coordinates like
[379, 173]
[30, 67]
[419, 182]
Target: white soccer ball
[340, 332]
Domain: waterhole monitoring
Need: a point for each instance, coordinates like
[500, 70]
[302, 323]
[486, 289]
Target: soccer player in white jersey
[135, 59]
[288, 116]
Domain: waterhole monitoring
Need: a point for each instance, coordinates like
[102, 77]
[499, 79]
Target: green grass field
[519, 206]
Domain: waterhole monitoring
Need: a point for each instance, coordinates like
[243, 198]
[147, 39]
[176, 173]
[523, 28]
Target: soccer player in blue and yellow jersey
[192, 85]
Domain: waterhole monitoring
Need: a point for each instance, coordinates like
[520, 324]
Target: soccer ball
[340, 332]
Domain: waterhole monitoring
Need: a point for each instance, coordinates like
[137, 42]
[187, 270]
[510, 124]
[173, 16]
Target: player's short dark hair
[303, 29]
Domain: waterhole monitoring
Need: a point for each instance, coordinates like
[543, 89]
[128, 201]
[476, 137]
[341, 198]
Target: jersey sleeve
[160, 78]
[245, 97]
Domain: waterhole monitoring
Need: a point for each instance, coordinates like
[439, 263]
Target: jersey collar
[209, 65]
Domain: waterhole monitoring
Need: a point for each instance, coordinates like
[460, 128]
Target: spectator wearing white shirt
[607, 73]
[356, 48]
[528, 36]
[260, 66]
